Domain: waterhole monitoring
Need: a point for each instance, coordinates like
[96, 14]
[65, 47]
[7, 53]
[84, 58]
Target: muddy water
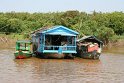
[109, 69]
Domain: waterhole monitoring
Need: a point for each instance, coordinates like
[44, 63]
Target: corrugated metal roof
[41, 29]
[89, 37]
[52, 30]
[85, 37]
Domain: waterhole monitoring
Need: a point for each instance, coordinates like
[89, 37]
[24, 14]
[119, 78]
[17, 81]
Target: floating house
[57, 40]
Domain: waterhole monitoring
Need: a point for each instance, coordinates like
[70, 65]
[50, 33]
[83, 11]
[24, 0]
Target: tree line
[101, 25]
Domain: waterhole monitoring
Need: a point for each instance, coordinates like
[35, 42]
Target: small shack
[56, 39]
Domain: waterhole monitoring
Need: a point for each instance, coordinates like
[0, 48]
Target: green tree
[105, 34]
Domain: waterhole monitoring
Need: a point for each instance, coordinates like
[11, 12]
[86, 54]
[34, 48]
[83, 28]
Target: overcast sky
[61, 5]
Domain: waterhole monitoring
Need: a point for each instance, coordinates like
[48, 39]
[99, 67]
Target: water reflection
[114, 49]
[34, 70]
[54, 70]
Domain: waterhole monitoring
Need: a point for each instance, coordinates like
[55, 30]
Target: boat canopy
[23, 41]
[90, 39]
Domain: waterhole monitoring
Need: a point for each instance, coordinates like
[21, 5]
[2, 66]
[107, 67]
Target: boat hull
[53, 55]
[22, 55]
[88, 55]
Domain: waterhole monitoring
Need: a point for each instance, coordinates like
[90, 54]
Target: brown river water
[108, 69]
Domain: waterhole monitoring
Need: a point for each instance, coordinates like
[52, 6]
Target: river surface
[108, 69]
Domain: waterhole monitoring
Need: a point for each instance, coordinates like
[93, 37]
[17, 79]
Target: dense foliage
[102, 25]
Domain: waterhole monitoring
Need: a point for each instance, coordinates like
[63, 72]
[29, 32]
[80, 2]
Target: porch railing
[63, 48]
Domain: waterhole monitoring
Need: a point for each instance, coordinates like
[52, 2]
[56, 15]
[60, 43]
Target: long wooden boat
[23, 49]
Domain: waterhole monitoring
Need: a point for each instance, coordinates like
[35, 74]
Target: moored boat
[23, 49]
[89, 47]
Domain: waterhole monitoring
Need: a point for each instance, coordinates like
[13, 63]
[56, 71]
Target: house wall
[37, 42]
[40, 40]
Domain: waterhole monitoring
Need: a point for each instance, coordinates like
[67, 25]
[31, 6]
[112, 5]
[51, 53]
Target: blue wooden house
[54, 40]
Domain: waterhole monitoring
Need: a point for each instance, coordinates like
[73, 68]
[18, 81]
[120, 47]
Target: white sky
[61, 5]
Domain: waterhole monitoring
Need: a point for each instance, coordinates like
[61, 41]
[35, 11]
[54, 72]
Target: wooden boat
[89, 47]
[23, 49]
